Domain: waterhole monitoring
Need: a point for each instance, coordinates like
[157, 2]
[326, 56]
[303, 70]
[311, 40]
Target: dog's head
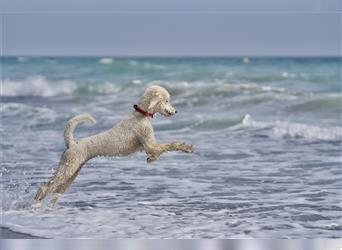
[156, 99]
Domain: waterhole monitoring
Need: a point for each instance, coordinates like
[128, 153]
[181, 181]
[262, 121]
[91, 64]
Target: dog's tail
[71, 125]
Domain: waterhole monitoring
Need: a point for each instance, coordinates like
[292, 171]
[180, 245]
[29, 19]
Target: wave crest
[295, 130]
[37, 86]
[106, 60]
[41, 86]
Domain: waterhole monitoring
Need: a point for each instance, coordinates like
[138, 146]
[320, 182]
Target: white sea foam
[106, 60]
[136, 82]
[41, 86]
[295, 130]
[37, 86]
[218, 86]
[34, 114]
[22, 59]
[103, 88]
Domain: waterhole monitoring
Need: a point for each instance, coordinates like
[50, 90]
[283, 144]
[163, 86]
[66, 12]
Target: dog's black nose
[176, 111]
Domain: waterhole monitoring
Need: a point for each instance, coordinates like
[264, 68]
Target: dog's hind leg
[41, 193]
[44, 190]
[62, 187]
[70, 164]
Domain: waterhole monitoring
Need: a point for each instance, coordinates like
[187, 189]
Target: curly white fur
[130, 135]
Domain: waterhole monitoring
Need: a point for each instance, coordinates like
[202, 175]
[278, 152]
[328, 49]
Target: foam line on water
[295, 130]
[39, 85]
[34, 115]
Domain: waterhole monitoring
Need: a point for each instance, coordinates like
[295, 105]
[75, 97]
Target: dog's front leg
[154, 150]
[180, 146]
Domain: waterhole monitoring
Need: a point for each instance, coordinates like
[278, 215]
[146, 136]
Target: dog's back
[120, 140]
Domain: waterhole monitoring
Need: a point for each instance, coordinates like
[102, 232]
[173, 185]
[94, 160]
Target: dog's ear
[154, 101]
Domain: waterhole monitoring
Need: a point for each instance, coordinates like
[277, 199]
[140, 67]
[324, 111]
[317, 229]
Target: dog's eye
[166, 101]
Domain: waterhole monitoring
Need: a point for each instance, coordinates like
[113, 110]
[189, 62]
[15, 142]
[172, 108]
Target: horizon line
[173, 56]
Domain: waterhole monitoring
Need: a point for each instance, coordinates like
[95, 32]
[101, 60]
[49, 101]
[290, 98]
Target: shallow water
[267, 136]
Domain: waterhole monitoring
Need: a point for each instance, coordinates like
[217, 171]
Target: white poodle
[133, 134]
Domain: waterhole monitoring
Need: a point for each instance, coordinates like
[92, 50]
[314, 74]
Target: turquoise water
[267, 134]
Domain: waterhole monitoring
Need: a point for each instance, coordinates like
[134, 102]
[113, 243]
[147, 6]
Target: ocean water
[267, 137]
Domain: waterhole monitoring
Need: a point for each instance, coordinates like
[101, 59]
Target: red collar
[145, 113]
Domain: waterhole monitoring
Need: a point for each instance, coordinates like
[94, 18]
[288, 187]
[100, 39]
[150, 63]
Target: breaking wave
[106, 60]
[39, 85]
[295, 130]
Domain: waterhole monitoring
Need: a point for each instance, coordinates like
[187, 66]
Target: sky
[171, 28]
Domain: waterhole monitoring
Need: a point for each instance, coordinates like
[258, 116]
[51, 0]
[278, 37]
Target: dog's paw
[187, 148]
[152, 158]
